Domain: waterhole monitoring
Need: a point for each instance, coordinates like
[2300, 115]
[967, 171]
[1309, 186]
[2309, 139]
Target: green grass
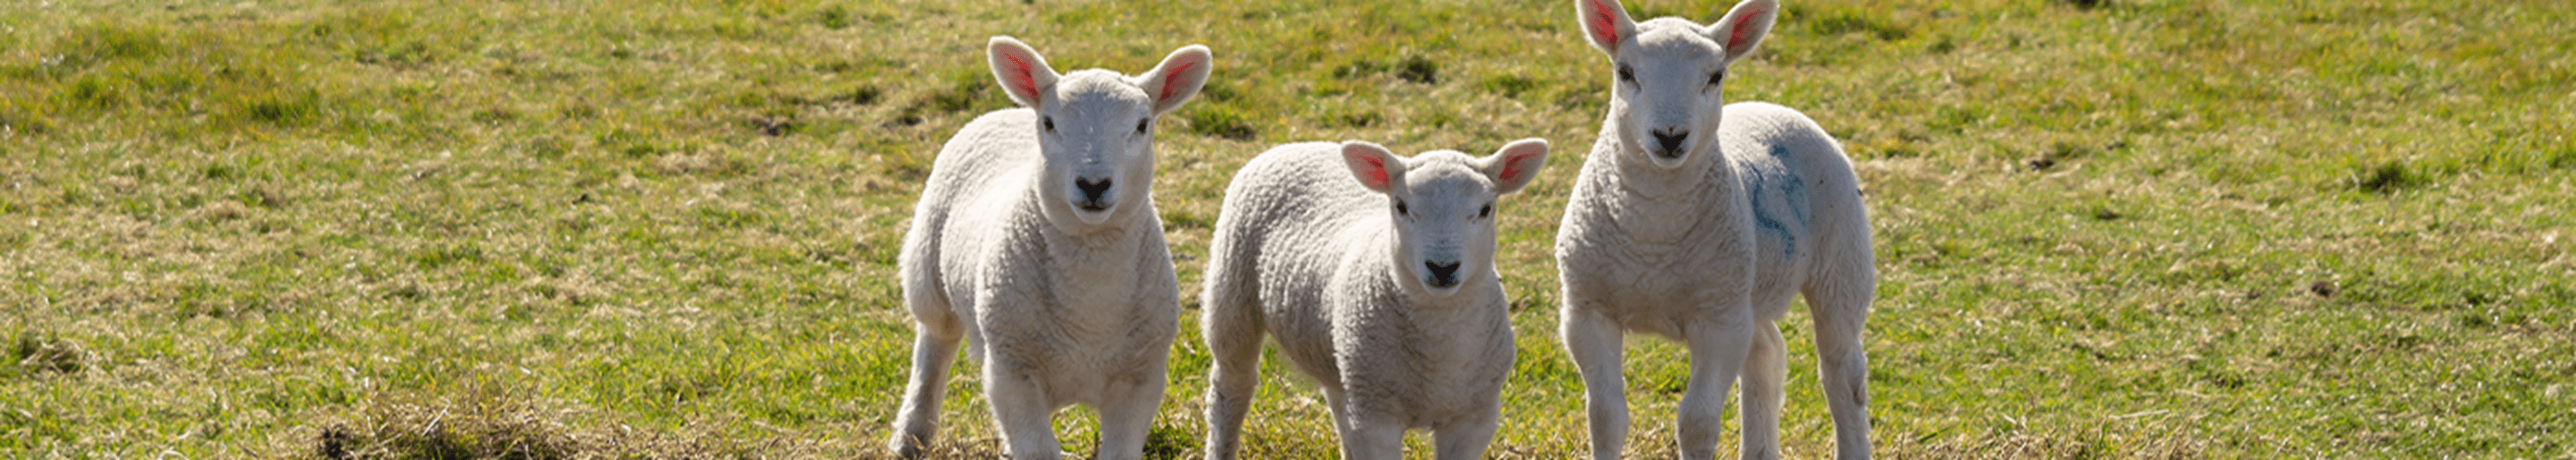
[2114, 228]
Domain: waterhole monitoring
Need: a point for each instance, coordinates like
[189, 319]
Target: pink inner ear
[1170, 80]
[1735, 40]
[1376, 173]
[1602, 29]
[1023, 81]
[1512, 170]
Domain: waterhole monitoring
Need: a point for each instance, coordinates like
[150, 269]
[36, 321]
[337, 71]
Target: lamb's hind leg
[1840, 313]
[1233, 332]
[1594, 341]
[1765, 369]
[1718, 346]
[934, 348]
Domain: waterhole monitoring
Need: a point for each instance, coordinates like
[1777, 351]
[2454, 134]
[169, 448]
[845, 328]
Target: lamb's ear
[1022, 72]
[1512, 167]
[1605, 24]
[1177, 79]
[1743, 27]
[1373, 165]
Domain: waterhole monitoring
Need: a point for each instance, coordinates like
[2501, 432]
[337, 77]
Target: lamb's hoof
[905, 447]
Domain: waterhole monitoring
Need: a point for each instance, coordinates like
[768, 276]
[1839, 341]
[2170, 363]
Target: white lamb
[1696, 221]
[1376, 275]
[1037, 241]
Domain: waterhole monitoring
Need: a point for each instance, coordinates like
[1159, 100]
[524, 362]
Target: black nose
[1671, 141]
[1442, 275]
[1093, 193]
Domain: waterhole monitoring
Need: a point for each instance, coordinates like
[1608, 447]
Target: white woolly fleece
[1037, 243]
[1375, 274]
[1696, 220]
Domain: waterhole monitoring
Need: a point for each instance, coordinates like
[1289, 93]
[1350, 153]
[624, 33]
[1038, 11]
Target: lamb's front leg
[1595, 343]
[1766, 368]
[1718, 346]
[1467, 439]
[1336, 400]
[1346, 425]
[1021, 408]
[1372, 437]
[1127, 412]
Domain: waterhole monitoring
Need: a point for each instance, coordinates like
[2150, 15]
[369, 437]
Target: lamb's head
[1095, 127]
[1666, 74]
[1442, 205]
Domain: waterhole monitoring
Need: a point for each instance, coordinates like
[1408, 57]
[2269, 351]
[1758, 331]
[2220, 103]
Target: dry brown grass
[501, 424]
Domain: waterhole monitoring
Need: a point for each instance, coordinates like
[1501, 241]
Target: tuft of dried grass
[507, 424]
[220, 211]
[45, 354]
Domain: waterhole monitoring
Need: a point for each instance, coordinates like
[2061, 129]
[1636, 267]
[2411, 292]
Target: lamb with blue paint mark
[1037, 243]
[1376, 274]
[1697, 220]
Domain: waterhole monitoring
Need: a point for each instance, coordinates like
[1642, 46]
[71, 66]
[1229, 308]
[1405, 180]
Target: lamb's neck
[1466, 303]
[1657, 211]
[1448, 330]
[1095, 265]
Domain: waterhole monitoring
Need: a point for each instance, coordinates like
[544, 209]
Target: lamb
[1376, 275]
[1036, 240]
[1695, 220]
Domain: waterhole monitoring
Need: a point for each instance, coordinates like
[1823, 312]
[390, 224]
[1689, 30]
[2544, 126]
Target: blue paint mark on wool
[1766, 181]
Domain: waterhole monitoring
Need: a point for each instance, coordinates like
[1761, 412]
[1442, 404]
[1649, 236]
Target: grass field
[568, 229]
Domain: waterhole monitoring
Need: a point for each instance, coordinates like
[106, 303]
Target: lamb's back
[1289, 207]
[970, 200]
[1286, 219]
[992, 155]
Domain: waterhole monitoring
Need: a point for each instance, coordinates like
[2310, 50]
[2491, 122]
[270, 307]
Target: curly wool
[1036, 243]
[1307, 252]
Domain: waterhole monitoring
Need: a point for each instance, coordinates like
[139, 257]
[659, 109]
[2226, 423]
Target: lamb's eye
[1399, 208]
[1487, 211]
[1626, 74]
[1142, 123]
[1049, 122]
[1716, 78]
